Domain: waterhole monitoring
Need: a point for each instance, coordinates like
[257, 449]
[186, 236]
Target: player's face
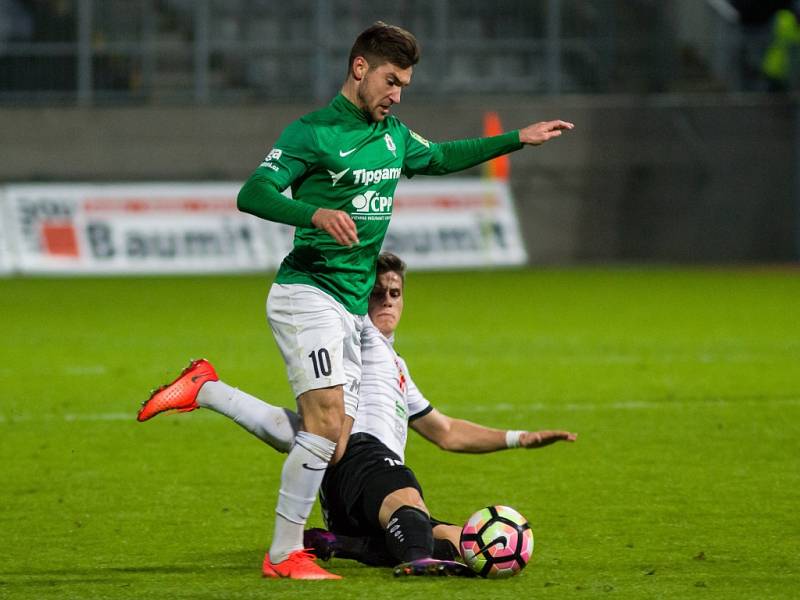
[386, 302]
[381, 87]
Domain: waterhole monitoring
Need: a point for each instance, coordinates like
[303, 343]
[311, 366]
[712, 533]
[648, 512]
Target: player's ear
[359, 68]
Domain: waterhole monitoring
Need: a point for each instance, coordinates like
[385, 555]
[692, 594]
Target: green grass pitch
[684, 387]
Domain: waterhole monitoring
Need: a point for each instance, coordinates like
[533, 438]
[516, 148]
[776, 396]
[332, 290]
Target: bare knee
[451, 533]
[403, 497]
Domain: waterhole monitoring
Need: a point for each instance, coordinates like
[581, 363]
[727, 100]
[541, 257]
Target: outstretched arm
[428, 158]
[458, 435]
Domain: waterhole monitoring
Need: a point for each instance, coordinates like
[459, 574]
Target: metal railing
[128, 51]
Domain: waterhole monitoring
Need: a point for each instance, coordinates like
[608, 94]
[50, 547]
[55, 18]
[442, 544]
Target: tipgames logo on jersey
[372, 207]
[367, 177]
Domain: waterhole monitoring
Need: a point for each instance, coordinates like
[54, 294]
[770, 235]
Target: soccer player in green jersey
[342, 163]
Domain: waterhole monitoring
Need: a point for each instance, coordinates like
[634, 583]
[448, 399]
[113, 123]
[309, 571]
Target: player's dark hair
[390, 262]
[381, 43]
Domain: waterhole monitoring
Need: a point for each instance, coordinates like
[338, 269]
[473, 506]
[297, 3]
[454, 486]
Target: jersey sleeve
[424, 157]
[418, 405]
[293, 155]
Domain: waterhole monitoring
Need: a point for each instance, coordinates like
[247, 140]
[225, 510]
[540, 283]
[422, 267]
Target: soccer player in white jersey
[372, 502]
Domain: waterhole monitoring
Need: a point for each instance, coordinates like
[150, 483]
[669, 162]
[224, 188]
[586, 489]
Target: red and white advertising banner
[196, 228]
[446, 223]
[139, 228]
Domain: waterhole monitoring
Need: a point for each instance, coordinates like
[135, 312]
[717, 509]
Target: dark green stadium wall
[653, 178]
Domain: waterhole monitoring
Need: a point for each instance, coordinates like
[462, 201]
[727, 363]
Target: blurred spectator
[54, 20]
[39, 21]
[16, 23]
[778, 66]
[771, 40]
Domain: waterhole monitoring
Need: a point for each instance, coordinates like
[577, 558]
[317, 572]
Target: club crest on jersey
[401, 377]
[390, 144]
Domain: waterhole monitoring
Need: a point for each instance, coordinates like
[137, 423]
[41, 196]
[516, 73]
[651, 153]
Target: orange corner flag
[500, 167]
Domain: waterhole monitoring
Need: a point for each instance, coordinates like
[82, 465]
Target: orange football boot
[300, 564]
[181, 394]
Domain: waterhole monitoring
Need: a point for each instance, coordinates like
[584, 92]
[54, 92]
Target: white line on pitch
[494, 408]
[85, 370]
[628, 405]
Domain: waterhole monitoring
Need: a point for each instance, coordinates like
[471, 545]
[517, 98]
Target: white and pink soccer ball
[496, 542]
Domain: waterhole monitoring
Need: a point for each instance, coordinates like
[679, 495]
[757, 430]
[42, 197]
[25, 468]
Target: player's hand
[338, 223]
[538, 133]
[538, 439]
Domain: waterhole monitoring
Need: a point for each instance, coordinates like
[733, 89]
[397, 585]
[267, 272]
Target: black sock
[444, 550]
[409, 535]
[368, 550]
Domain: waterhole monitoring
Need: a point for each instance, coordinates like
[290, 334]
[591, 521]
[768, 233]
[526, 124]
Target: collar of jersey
[342, 104]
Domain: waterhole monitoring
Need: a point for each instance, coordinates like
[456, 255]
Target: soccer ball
[496, 542]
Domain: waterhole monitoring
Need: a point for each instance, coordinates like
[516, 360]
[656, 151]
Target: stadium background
[681, 154]
[656, 315]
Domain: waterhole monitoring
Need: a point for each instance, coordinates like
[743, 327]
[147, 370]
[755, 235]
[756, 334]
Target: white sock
[300, 480]
[272, 424]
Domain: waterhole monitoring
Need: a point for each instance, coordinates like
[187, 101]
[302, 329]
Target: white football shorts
[319, 339]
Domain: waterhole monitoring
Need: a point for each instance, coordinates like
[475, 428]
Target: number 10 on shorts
[321, 361]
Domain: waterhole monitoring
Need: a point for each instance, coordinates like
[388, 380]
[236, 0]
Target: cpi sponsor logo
[371, 203]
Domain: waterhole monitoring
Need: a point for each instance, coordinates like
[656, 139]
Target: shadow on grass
[232, 563]
[54, 583]
[244, 561]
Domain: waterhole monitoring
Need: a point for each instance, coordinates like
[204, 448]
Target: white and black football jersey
[388, 397]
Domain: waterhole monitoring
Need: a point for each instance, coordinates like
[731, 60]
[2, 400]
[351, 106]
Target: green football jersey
[336, 158]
